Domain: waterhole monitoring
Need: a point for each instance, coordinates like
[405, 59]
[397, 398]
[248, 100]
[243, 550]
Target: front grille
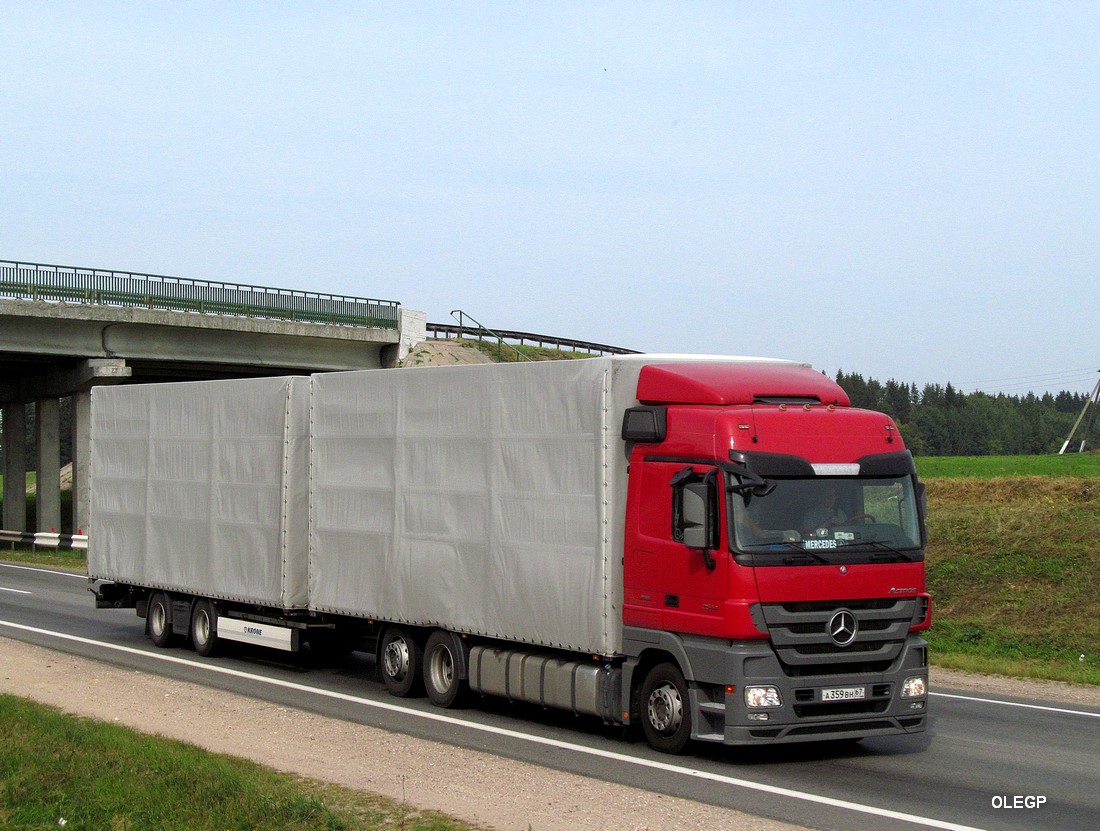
[800, 637]
[830, 606]
[854, 668]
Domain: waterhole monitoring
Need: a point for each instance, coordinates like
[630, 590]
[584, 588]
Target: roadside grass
[1014, 572]
[507, 353]
[74, 561]
[58, 770]
[955, 467]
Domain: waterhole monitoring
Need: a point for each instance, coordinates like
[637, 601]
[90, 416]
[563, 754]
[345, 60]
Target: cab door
[673, 586]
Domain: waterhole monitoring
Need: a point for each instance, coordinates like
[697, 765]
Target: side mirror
[695, 515]
[698, 521]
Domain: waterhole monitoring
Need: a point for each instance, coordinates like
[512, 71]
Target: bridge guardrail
[72, 284]
[446, 331]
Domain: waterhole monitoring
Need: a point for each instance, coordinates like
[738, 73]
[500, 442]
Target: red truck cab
[773, 563]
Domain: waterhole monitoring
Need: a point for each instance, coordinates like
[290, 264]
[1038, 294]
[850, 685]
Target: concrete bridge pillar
[47, 422]
[82, 460]
[46, 390]
[15, 467]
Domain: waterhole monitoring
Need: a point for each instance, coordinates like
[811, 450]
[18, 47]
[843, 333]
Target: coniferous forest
[941, 421]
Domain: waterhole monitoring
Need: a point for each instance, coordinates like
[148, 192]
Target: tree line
[934, 421]
[941, 421]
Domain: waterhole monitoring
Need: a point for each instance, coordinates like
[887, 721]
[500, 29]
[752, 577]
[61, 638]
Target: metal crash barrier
[46, 540]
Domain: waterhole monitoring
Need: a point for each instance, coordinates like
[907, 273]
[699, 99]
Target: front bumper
[875, 706]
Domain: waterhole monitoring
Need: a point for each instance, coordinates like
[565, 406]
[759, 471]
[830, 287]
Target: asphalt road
[987, 762]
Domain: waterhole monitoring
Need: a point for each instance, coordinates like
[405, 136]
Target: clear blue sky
[906, 190]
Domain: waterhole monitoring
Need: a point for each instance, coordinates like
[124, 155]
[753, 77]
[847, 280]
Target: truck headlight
[914, 688]
[756, 697]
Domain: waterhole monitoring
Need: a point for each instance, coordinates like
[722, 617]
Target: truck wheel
[158, 620]
[204, 628]
[666, 710]
[445, 687]
[400, 659]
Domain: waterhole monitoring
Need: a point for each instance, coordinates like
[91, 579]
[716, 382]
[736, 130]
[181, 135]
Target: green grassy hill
[1014, 566]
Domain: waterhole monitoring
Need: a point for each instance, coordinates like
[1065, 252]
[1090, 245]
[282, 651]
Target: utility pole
[1094, 401]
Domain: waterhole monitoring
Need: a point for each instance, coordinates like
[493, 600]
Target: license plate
[844, 694]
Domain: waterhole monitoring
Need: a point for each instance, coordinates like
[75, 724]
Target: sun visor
[735, 383]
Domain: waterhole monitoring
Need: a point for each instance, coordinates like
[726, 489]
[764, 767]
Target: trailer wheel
[400, 659]
[666, 710]
[158, 620]
[441, 679]
[204, 628]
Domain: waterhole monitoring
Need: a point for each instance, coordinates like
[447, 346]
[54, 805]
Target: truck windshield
[822, 514]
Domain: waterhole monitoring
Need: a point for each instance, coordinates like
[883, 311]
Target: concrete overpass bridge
[64, 330]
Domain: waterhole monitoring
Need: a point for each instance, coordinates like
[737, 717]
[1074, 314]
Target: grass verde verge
[1085, 465]
[1014, 566]
[58, 770]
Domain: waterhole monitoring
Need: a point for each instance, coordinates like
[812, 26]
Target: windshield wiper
[804, 556]
[747, 480]
[789, 559]
[886, 548]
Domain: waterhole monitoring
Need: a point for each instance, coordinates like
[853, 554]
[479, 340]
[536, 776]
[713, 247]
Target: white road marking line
[1017, 704]
[45, 571]
[13, 591]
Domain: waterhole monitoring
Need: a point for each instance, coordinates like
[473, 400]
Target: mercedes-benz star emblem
[842, 627]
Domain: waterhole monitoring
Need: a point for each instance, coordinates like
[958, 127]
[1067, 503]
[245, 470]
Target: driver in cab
[824, 511]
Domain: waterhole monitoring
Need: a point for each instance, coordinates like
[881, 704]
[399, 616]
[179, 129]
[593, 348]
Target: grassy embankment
[513, 352]
[1014, 565]
[74, 773]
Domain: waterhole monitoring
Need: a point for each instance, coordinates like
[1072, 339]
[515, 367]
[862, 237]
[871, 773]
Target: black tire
[666, 709]
[158, 620]
[399, 659]
[441, 671]
[204, 628]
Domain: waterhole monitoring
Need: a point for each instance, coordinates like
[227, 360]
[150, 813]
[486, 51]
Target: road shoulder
[1055, 692]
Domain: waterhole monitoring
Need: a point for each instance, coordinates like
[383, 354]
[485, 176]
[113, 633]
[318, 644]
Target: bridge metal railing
[483, 333]
[446, 331]
[72, 284]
